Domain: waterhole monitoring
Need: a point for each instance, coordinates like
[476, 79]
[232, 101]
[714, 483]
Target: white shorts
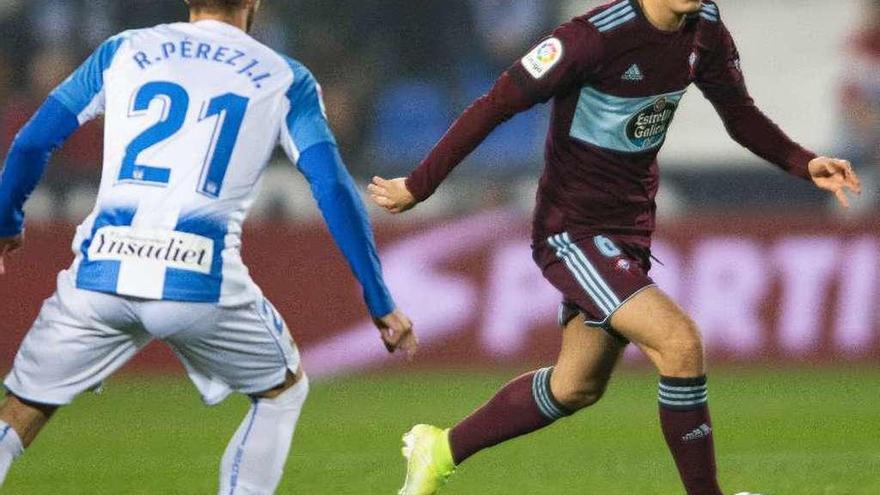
[81, 337]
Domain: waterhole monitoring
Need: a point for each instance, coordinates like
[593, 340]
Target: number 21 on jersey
[229, 109]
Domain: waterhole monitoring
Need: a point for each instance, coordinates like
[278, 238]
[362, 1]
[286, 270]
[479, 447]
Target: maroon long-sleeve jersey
[616, 82]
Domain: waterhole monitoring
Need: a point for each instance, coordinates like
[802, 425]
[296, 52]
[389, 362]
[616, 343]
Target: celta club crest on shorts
[623, 265]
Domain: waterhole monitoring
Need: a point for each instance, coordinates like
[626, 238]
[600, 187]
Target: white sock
[10, 449]
[254, 460]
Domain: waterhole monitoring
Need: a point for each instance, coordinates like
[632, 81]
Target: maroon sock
[522, 406]
[684, 417]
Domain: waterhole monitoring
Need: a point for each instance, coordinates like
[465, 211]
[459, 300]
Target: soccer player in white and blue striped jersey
[192, 113]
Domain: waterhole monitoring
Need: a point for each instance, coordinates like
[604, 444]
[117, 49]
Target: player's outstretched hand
[392, 195]
[397, 333]
[8, 245]
[835, 176]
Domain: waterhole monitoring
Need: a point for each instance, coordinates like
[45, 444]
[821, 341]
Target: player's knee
[576, 396]
[682, 352]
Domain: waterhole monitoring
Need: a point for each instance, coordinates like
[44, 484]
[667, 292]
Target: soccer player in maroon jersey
[616, 76]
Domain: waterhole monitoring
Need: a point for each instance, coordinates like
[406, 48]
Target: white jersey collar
[221, 26]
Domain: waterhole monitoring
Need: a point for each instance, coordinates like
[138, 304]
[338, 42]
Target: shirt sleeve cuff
[415, 187]
[799, 163]
[11, 220]
[380, 304]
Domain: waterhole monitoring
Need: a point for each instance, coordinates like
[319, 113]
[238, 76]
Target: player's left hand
[397, 333]
[835, 176]
[8, 245]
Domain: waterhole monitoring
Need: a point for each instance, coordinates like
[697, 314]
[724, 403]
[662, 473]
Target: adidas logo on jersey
[633, 74]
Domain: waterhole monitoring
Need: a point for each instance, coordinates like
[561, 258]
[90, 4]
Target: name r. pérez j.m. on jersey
[187, 49]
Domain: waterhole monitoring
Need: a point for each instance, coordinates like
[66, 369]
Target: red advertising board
[761, 289]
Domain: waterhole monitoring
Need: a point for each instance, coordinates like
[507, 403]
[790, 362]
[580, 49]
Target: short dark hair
[215, 4]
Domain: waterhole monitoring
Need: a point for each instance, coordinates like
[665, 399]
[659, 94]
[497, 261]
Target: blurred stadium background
[783, 284]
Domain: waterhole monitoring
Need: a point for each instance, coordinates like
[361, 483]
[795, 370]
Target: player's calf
[523, 405]
[540, 398]
[254, 459]
[20, 422]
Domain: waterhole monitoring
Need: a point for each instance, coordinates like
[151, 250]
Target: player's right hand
[392, 195]
[8, 245]
[397, 333]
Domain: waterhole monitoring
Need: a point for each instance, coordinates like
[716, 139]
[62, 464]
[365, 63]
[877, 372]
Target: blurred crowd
[394, 73]
[860, 124]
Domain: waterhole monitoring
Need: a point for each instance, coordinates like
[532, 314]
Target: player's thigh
[661, 328]
[594, 275]
[586, 362]
[246, 349]
[78, 340]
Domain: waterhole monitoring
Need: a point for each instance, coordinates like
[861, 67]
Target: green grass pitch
[778, 431]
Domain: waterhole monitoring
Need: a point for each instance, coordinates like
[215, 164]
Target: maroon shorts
[596, 275]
